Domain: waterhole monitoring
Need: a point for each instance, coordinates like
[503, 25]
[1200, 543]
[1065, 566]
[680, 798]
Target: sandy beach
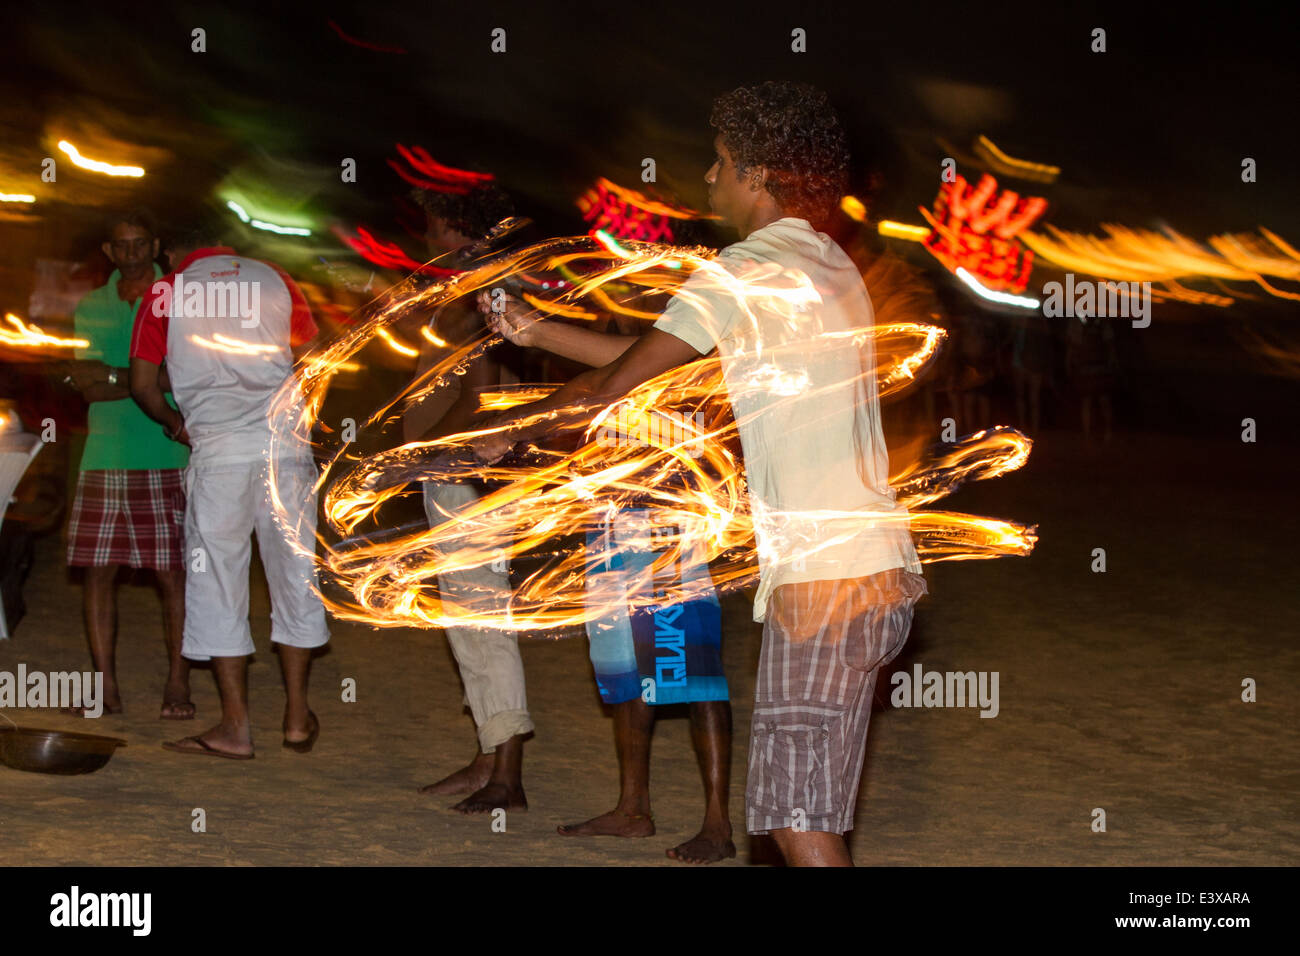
[1119, 690]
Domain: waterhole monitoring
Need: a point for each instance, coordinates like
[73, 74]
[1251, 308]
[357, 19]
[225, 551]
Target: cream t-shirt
[788, 312]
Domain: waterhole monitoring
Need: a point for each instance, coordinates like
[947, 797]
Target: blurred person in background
[488, 659]
[130, 501]
[1092, 367]
[230, 329]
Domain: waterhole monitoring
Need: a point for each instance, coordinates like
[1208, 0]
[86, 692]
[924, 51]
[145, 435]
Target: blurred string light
[400, 348]
[610, 243]
[432, 337]
[627, 214]
[17, 197]
[95, 165]
[604, 300]
[1167, 256]
[225, 343]
[1000, 162]
[901, 230]
[555, 308]
[976, 229]
[24, 335]
[856, 209]
[262, 224]
[387, 255]
[433, 174]
[377, 47]
[1003, 298]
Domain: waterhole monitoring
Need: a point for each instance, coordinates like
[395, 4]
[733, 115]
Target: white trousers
[224, 505]
[489, 662]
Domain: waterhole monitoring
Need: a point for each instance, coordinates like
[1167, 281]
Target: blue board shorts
[665, 653]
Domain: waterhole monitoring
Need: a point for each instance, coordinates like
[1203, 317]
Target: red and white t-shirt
[225, 324]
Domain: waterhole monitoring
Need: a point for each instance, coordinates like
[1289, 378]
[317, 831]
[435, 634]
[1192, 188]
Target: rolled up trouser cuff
[194, 650]
[501, 726]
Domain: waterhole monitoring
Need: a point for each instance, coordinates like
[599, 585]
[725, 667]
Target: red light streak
[387, 255]
[976, 229]
[377, 47]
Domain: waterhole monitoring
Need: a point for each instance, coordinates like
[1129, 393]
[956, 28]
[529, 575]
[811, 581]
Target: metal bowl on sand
[55, 751]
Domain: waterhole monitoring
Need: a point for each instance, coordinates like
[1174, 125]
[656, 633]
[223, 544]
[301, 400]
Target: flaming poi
[543, 501]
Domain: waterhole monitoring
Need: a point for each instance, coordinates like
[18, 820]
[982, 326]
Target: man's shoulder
[754, 247]
[232, 267]
[227, 265]
[787, 240]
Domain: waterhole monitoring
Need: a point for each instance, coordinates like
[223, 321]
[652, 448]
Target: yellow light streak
[94, 165]
[25, 335]
[401, 349]
[988, 151]
[902, 230]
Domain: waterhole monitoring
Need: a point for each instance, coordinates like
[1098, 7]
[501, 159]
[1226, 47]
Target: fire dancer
[130, 496]
[836, 604]
[488, 659]
[230, 329]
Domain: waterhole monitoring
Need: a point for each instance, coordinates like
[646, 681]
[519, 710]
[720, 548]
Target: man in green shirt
[130, 501]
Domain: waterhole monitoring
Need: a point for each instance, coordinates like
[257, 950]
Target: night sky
[1151, 132]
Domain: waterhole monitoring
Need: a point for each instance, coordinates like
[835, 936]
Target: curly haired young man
[838, 571]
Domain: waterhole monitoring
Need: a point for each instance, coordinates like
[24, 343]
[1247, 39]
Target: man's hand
[149, 396]
[85, 373]
[492, 447]
[513, 323]
[182, 436]
[648, 356]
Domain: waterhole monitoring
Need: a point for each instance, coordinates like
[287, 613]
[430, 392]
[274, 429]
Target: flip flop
[304, 746]
[173, 706]
[202, 748]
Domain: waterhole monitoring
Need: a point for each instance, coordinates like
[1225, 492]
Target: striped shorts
[824, 643]
[134, 517]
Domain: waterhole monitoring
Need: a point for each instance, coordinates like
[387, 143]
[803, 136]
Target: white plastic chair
[17, 449]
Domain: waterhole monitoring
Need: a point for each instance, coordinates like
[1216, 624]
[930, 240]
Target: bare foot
[493, 796]
[467, 779]
[615, 823]
[176, 703]
[177, 710]
[705, 847]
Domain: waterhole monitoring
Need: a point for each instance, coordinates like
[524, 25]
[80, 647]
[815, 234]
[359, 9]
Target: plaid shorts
[824, 643]
[128, 517]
